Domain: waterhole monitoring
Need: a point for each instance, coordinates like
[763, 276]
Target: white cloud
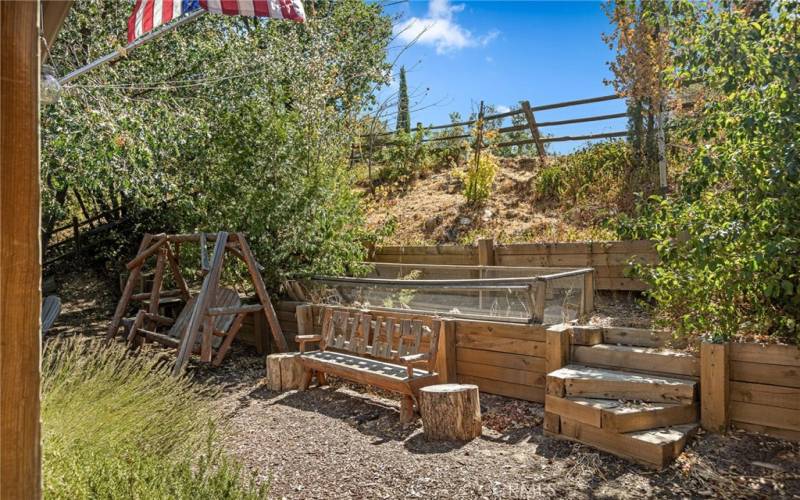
[502, 108]
[440, 29]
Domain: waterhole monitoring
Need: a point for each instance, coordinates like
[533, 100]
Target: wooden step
[645, 359]
[652, 448]
[622, 416]
[640, 337]
[590, 382]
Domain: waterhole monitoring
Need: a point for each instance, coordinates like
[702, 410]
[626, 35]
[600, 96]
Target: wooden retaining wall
[610, 259]
[765, 389]
[748, 386]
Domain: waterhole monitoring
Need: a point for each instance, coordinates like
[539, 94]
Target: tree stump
[284, 372]
[450, 412]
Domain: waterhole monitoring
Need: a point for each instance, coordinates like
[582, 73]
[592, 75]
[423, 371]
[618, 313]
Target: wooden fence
[531, 125]
[610, 259]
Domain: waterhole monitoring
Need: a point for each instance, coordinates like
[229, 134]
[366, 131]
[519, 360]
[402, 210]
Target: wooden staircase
[625, 394]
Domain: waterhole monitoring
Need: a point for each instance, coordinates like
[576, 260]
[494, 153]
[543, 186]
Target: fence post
[479, 139]
[526, 108]
[714, 386]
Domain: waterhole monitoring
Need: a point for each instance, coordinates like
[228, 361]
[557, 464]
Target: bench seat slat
[366, 371]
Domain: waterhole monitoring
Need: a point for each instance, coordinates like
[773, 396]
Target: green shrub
[480, 178]
[729, 240]
[406, 157]
[549, 183]
[117, 426]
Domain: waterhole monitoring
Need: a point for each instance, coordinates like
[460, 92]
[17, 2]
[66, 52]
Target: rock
[432, 223]
[464, 221]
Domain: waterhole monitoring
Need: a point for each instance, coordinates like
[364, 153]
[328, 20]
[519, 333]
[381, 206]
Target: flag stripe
[246, 8]
[147, 17]
[261, 8]
[150, 14]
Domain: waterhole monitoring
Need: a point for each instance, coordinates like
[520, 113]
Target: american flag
[150, 14]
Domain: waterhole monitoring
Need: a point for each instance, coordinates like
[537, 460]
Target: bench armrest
[412, 359]
[304, 339]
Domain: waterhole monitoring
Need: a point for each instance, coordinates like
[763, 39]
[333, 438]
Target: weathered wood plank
[767, 395]
[768, 431]
[583, 381]
[639, 359]
[501, 374]
[635, 336]
[528, 393]
[760, 373]
[768, 354]
[507, 330]
[779, 418]
[500, 344]
[654, 448]
[504, 359]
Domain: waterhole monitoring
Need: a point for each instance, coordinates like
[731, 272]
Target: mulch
[345, 441]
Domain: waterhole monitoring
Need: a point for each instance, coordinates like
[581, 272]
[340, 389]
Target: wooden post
[485, 258]
[526, 109]
[446, 363]
[557, 347]
[133, 277]
[715, 386]
[158, 279]
[263, 296]
[587, 298]
[204, 300]
[479, 138]
[305, 319]
[20, 266]
[486, 252]
[538, 299]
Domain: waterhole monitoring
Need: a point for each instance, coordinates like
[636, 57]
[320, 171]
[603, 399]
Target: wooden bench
[397, 355]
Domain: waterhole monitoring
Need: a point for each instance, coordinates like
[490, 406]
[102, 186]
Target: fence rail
[379, 140]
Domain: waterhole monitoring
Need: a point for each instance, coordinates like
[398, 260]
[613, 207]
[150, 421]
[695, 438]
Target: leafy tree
[403, 111]
[729, 240]
[243, 124]
[641, 40]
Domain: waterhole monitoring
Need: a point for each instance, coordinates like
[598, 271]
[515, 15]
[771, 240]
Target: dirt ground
[343, 441]
[432, 210]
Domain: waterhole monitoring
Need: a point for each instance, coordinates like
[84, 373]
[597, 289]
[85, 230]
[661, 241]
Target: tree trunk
[450, 412]
[284, 372]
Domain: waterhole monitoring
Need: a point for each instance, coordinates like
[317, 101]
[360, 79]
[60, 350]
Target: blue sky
[504, 52]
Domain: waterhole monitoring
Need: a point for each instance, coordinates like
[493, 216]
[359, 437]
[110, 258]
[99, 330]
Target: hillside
[432, 210]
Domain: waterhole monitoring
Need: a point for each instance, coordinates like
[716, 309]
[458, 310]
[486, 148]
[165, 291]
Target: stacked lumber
[635, 401]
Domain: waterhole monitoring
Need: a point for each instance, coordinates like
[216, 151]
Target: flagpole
[113, 56]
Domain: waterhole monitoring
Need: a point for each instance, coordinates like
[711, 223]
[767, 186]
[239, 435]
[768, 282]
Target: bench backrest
[379, 337]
